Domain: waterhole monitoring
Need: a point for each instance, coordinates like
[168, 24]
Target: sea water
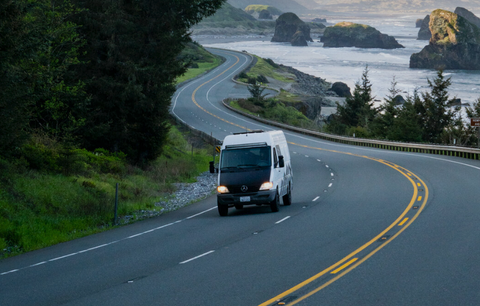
[347, 64]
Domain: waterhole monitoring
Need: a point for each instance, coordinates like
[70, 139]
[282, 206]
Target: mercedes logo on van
[244, 188]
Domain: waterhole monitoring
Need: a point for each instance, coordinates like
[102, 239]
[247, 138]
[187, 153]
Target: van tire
[287, 199]
[222, 210]
[274, 204]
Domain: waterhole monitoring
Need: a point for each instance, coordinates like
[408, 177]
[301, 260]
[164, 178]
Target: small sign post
[475, 122]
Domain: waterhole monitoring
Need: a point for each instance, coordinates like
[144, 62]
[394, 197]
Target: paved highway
[366, 227]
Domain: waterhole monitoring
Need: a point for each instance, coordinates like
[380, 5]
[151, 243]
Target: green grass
[275, 110]
[196, 54]
[202, 68]
[260, 7]
[39, 208]
[262, 67]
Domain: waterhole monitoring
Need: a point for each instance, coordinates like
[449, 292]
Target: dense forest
[91, 74]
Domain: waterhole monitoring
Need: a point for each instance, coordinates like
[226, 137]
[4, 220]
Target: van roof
[253, 138]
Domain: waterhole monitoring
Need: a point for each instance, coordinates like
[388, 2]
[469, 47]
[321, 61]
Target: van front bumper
[259, 197]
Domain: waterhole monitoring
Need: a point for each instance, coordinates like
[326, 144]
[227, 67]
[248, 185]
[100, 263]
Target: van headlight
[222, 189]
[266, 186]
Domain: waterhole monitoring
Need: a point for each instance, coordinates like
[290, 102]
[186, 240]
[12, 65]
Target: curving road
[366, 227]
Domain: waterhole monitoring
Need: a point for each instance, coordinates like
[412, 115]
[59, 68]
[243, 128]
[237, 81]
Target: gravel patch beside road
[185, 194]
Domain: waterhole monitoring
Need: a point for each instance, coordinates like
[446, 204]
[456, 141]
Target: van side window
[275, 158]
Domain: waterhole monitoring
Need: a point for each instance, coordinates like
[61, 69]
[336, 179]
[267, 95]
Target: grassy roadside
[55, 194]
[202, 61]
[41, 207]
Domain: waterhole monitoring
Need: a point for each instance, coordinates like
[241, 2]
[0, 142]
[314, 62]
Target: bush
[262, 79]
[271, 62]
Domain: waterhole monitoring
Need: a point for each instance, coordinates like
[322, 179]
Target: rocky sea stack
[348, 34]
[424, 32]
[289, 28]
[454, 44]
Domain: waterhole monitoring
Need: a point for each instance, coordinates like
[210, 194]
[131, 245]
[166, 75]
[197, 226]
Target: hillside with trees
[92, 74]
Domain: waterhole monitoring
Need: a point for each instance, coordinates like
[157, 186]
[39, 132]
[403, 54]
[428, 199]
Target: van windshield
[255, 157]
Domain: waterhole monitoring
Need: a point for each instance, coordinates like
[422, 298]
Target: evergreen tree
[436, 113]
[358, 110]
[14, 85]
[131, 53]
[60, 102]
[407, 124]
[388, 112]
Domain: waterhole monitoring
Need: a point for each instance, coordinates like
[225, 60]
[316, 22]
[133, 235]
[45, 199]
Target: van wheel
[274, 204]
[222, 210]
[238, 206]
[287, 199]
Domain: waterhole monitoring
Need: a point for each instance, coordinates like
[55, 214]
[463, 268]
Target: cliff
[289, 28]
[455, 44]
[468, 15]
[348, 34]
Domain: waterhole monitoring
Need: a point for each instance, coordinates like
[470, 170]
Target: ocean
[347, 64]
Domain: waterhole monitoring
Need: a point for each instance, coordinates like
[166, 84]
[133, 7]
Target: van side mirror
[281, 162]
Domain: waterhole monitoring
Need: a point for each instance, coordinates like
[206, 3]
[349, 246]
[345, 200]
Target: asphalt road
[366, 227]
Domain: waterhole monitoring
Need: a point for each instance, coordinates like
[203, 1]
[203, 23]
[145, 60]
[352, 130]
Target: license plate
[244, 199]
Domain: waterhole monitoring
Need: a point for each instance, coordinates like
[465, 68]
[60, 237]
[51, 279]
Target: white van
[254, 169]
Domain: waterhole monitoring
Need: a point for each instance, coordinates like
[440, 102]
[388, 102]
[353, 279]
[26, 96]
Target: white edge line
[330, 185]
[11, 271]
[315, 199]
[280, 221]
[201, 213]
[196, 257]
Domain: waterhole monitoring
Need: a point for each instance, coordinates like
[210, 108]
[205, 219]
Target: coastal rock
[348, 34]
[299, 39]
[319, 20]
[399, 100]
[265, 14]
[455, 44]
[468, 15]
[418, 23]
[341, 89]
[287, 26]
[424, 32]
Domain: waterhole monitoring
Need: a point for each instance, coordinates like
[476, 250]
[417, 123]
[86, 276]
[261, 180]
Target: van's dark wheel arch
[275, 203]
[287, 199]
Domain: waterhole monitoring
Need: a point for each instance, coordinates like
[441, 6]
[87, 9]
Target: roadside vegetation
[51, 195]
[425, 117]
[274, 108]
[198, 61]
[84, 98]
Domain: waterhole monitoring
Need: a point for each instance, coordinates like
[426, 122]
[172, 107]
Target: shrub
[262, 79]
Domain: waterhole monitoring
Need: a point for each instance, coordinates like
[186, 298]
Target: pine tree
[14, 85]
[388, 112]
[407, 124]
[358, 110]
[436, 113]
[131, 54]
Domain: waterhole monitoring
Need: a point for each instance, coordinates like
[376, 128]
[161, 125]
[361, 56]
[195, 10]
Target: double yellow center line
[360, 255]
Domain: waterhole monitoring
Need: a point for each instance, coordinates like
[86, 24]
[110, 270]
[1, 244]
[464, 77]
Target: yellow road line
[408, 175]
[344, 266]
[403, 222]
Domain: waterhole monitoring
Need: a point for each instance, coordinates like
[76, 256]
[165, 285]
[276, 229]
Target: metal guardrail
[470, 153]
